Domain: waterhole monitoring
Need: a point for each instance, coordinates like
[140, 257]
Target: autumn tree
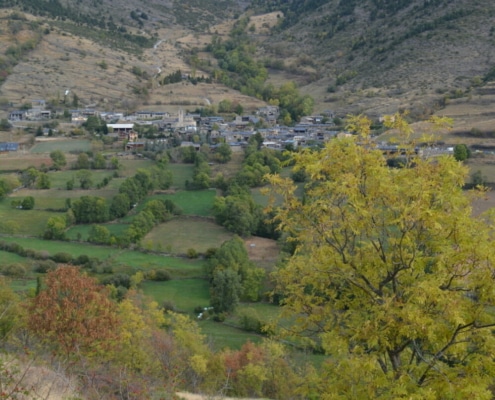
[74, 313]
[392, 276]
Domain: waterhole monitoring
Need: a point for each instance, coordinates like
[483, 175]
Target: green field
[223, 336]
[22, 222]
[183, 294]
[181, 234]
[130, 167]
[59, 179]
[11, 258]
[81, 232]
[197, 202]
[75, 249]
[66, 146]
[181, 173]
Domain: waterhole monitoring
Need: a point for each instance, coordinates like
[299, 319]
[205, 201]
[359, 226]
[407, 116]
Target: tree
[224, 153]
[391, 277]
[43, 181]
[27, 203]
[29, 176]
[74, 313]
[82, 162]
[461, 152]
[58, 159]
[84, 177]
[55, 228]
[225, 290]
[120, 206]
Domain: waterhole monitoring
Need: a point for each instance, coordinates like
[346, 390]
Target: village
[142, 128]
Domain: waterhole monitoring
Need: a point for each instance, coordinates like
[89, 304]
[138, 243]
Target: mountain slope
[416, 47]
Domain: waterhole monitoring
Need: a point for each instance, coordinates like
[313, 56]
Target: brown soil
[263, 252]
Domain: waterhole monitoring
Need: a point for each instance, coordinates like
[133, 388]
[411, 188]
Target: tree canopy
[392, 276]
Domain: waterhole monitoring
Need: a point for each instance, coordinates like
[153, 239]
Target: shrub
[220, 317]
[14, 270]
[168, 305]
[117, 280]
[250, 321]
[63, 258]
[192, 253]
[43, 266]
[83, 259]
[162, 275]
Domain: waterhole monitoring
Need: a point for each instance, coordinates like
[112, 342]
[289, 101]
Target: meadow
[181, 234]
[66, 146]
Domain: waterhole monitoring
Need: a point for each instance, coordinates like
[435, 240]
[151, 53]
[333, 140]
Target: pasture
[64, 145]
[22, 222]
[183, 294]
[224, 336]
[181, 173]
[20, 162]
[129, 167]
[181, 234]
[81, 232]
[197, 202]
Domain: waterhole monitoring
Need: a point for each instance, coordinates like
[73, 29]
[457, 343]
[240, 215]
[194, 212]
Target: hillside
[351, 56]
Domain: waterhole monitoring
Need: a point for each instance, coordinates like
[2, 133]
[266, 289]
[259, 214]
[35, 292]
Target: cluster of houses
[235, 132]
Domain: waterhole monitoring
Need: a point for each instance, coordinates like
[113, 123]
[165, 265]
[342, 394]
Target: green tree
[58, 159]
[119, 206]
[99, 162]
[29, 176]
[224, 153]
[225, 290]
[392, 275]
[55, 228]
[99, 234]
[461, 152]
[43, 181]
[82, 161]
[84, 177]
[28, 203]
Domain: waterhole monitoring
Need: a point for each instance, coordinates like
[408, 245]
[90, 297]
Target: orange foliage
[74, 312]
[248, 354]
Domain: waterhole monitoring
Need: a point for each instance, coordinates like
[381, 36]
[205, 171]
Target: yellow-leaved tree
[392, 276]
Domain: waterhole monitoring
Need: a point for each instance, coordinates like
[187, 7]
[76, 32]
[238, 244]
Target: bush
[250, 321]
[43, 266]
[83, 259]
[117, 280]
[168, 305]
[192, 253]
[14, 270]
[63, 258]
[220, 317]
[162, 275]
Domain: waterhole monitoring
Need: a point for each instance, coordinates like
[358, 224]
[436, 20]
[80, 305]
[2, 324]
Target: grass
[130, 167]
[178, 267]
[59, 179]
[181, 173]
[75, 249]
[66, 146]
[11, 258]
[22, 163]
[181, 234]
[223, 336]
[198, 202]
[22, 222]
[184, 294]
[81, 232]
